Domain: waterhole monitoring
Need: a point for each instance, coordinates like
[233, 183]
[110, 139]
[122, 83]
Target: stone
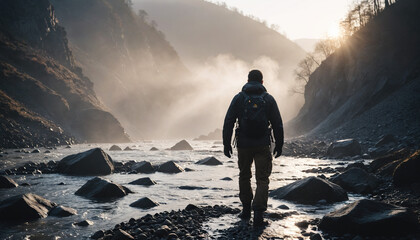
[190, 207]
[115, 148]
[382, 161]
[90, 163]
[227, 179]
[61, 211]
[284, 207]
[369, 217]
[356, 180]
[315, 236]
[146, 181]
[310, 191]
[182, 145]
[407, 172]
[163, 231]
[36, 151]
[385, 140]
[98, 234]
[144, 203]
[170, 167]
[128, 149]
[24, 208]
[143, 167]
[6, 182]
[211, 161]
[84, 223]
[154, 149]
[102, 189]
[120, 234]
[344, 148]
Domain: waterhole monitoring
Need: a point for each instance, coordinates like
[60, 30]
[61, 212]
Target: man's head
[255, 76]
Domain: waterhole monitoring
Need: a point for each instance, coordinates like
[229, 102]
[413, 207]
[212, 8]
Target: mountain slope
[369, 87]
[135, 70]
[200, 30]
[43, 92]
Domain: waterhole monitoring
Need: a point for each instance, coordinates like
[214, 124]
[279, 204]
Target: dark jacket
[235, 111]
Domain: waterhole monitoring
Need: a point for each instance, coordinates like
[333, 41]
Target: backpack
[254, 122]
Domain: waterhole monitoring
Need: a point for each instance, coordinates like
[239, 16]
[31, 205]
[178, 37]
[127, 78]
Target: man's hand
[227, 151]
[277, 151]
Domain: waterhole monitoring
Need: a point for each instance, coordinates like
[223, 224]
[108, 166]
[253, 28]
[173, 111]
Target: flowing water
[166, 192]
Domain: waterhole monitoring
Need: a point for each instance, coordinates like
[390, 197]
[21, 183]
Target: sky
[297, 19]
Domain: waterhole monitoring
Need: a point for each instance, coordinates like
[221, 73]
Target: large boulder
[368, 217]
[310, 190]
[384, 160]
[182, 145]
[344, 148]
[143, 167]
[356, 180]
[407, 172]
[24, 208]
[144, 203]
[102, 189]
[6, 182]
[115, 148]
[90, 163]
[211, 161]
[143, 181]
[170, 167]
[61, 211]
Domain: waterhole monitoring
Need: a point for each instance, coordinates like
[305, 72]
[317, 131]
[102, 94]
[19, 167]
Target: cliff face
[44, 96]
[136, 72]
[370, 86]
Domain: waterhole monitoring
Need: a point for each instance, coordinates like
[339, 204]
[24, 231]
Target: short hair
[255, 75]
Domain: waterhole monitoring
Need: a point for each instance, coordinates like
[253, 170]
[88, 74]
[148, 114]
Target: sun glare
[334, 31]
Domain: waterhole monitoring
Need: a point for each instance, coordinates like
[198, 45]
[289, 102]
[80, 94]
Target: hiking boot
[246, 213]
[259, 219]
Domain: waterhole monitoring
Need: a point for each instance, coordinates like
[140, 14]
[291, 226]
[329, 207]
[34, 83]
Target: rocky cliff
[370, 86]
[45, 98]
[136, 72]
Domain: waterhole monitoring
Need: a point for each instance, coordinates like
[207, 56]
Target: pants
[263, 166]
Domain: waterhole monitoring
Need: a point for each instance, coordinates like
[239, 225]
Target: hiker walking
[257, 116]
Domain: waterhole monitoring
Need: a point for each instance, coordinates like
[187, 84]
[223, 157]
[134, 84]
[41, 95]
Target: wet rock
[48, 151]
[6, 182]
[90, 163]
[356, 180]
[36, 151]
[84, 223]
[98, 234]
[170, 167]
[227, 179]
[315, 236]
[211, 161]
[146, 181]
[154, 149]
[128, 149]
[115, 148]
[302, 225]
[120, 234]
[143, 167]
[385, 140]
[163, 231]
[61, 211]
[407, 172]
[310, 191]
[182, 145]
[284, 207]
[190, 207]
[344, 148]
[382, 161]
[102, 189]
[189, 170]
[144, 203]
[368, 217]
[24, 207]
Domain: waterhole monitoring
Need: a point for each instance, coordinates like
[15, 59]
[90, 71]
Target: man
[255, 110]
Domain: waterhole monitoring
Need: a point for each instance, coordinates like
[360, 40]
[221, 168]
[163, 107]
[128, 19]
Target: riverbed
[212, 189]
